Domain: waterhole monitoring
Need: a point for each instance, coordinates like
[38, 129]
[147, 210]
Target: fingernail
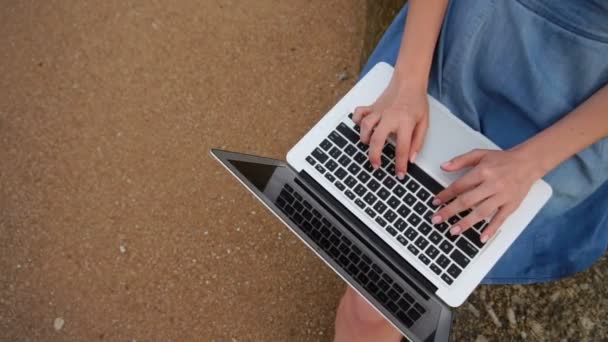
[446, 164]
[436, 219]
[413, 158]
[436, 201]
[483, 238]
[375, 166]
[400, 175]
[455, 230]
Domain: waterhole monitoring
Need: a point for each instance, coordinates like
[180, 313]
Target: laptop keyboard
[402, 207]
[350, 257]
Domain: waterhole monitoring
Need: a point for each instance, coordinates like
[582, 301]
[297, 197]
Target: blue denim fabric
[509, 69]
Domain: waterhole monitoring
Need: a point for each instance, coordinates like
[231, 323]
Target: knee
[362, 312]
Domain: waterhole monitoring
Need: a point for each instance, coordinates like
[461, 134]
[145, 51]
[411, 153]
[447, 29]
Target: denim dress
[509, 69]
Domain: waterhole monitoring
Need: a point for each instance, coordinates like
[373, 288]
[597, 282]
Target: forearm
[423, 24]
[584, 126]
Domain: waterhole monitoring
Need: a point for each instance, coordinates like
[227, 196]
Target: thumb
[418, 139]
[471, 158]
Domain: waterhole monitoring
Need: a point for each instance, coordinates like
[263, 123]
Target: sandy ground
[113, 217]
[116, 224]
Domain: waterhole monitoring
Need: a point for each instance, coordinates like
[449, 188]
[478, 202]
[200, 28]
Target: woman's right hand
[402, 111]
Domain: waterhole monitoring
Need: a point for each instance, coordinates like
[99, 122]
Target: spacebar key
[348, 133]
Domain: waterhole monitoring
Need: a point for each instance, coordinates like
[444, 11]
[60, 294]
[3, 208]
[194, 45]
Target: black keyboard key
[363, 177]
[392, 294]
[454, 271]
[464, 213]
[350, 150]
[384, 162]
[298, 206]
[361, 146]
[423, 195]
[331, 165]
[379, 174]
[350, 181]
[337, 139]
[330, 177]
[409, 199]
[432, 252]
[393, 202]
[430, 203]
[414, 219]
[370, 212]
[366, 259]
[346, 241]
[419, 308]
[319, 155]
[412, 186]
[391, 231]
[360, 203]
[452, 220]
[428, 217]
[392, 307]
[442, 227]
[360, 158]
[446, 247]
[311, 160]
[400, 225]
[370, 198]
[364, 267]
[325, 144]
[335, 152]
[383, 193]
[390, 216]
[380, 207]
[436, 269]
[383, 285]
[354, 168]
[360, 190]
[389, 150]
[340, 186]
[340, 173]
[389, 182]
[467, 247]
[403, 210]
[435, 237]
[411, 234]
[344, 160]
[320, 168]
[408, 298]
[413, 249]
[421, 243]
[405, 320]
[474, 237]
[350, 195]
[420, 208]
[425, 260]
[447, 279]
[424, 229]
[402, 240]
[350, 115]
[367, 166]
[459, 258]
[380, 221]
[373, 185]
[443, 261]
[348, 133]
[413, 314]
[391, 169]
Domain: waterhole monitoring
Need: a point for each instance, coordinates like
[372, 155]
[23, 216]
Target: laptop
[375, 230]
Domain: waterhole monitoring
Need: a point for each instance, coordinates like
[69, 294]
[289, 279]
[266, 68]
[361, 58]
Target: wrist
[409, 84]
[538, 164]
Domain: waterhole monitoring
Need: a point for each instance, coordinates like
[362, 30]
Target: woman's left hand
[497, 183]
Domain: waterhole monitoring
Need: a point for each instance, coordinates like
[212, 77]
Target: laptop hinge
[372, 241]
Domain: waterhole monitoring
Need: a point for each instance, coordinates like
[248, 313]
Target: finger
[482, 210]
[461, 185]
[418, 139]
[501, 215]
[471, 158]
[368, 123]
[404, 136]
[376, 144]
[360, 113]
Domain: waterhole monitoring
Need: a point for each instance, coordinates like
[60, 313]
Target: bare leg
[357, 321]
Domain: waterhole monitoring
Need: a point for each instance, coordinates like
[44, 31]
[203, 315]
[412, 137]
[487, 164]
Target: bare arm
[424, 20]
[587, 124]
